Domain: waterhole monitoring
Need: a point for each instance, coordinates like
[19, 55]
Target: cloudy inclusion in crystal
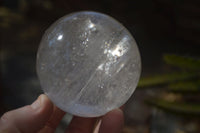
[88, 64]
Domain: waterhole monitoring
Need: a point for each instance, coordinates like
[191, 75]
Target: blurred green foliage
[187, 109]
[188, 63]
[185, 87]
[9, 17]
[165, 79]
[181, 84]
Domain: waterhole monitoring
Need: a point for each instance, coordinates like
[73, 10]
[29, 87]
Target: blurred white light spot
[91, 25]
[60, 37]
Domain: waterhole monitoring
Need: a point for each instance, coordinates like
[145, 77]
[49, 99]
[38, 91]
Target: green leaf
[185, 87]
[165, 79]
[9, 17]
[187, 109]
[182, 62]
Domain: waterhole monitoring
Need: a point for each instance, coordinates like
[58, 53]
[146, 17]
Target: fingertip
[116, 115]
[42, 105]
[81, 125]
[54, 120]
[40, 112]
[117, 111]
[112, 122]
[122, 107]
[32, 117]
[41, 109]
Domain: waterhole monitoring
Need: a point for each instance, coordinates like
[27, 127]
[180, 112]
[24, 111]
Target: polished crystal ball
[88, 64]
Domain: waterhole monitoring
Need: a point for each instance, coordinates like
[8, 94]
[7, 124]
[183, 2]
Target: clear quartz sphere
[88, 64]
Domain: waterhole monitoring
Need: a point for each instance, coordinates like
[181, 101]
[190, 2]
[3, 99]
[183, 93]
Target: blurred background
[167, 32]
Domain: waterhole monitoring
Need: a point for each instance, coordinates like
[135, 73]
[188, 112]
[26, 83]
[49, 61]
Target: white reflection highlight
[60, 37]
[100, 67]
[91, 25]
[117, 51]
[121, 48]
[120, 67]
[112, 63]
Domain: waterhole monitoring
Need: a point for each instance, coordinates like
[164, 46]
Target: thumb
[28, 119]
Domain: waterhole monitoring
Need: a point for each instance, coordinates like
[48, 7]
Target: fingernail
[36, 104]
[118, 110]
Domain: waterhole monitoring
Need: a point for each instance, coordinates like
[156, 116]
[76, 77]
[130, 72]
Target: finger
[112, 122]
[122, 107]
[28, 119]
[54, 120]
[81, 125]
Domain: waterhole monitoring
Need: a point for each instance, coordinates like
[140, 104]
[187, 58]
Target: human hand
[43, 117]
